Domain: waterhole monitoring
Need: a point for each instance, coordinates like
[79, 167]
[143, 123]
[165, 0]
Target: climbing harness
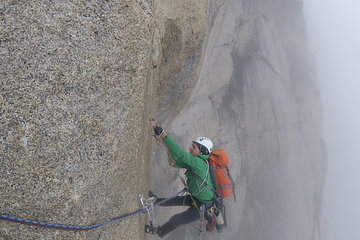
[206, 213]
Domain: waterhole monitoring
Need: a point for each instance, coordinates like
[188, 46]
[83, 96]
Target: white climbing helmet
[204, 142]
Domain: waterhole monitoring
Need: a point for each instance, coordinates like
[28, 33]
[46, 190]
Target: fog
[334, 35]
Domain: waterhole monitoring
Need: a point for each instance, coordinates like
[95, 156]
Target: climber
[199, 186]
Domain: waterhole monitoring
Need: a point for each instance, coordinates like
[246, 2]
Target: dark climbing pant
[190, 215]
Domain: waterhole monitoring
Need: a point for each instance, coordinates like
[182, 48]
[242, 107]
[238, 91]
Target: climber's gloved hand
[158, 130]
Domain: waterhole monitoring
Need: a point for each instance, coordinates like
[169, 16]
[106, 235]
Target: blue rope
[68, 227]
[81, 228]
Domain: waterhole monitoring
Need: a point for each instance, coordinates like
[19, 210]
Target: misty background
[334, 36]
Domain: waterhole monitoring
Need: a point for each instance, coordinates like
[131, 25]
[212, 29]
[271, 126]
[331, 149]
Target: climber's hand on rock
[158, 130]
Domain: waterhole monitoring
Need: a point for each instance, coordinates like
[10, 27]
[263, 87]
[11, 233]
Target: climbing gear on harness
[219, 202]
[202, 211]
[214, 218]
[210, 217]
[219, 220]
[204, 144]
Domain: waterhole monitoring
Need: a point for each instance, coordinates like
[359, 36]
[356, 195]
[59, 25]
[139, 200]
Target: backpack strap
[232, 182]
[214, 180]
[197, 178]
[203, 184]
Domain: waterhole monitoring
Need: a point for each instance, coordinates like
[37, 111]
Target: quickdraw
[149, 204]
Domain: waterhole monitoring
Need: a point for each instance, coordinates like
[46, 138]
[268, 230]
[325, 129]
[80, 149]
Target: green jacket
[199, 173]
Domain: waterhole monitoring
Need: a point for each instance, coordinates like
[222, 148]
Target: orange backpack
[219, 161]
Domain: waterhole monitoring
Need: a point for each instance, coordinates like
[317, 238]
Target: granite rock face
[180, 33]
[74, 82]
